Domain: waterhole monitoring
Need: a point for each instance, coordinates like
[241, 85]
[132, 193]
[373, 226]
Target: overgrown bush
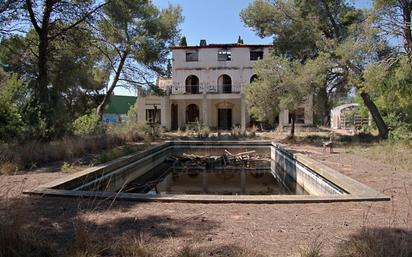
[89, 124]
[197, 129]
[32, 154]
[129, 132]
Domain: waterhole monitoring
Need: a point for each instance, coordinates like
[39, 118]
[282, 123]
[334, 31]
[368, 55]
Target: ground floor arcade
[217, 111]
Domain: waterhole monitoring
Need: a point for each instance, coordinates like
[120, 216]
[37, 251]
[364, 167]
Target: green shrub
[236, 131]
[88, 124]
[66, 167]
[197, 129]
[399, 130]
[11, 99]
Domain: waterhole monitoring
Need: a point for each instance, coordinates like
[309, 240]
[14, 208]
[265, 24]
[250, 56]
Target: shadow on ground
[58, 220]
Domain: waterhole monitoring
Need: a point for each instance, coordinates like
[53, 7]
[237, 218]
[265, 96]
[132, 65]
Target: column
[205, 109]
[165, 112]
[242, 113]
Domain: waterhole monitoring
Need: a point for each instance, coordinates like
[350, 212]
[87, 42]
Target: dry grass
[135, 247]
[398, 155]
[34, 154]
[377, 242]
[313, 249]
[16, 241]
[8, 168]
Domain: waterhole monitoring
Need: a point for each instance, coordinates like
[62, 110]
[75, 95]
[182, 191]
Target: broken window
[192, 56]
[153, 115]
[224, 55]
[256, 54]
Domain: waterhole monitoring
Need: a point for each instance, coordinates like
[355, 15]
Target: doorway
[174, 116]
[224, 119]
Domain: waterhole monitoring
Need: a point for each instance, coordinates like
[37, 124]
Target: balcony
[209, 89]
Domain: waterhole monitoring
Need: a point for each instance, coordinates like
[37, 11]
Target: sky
[217, 21]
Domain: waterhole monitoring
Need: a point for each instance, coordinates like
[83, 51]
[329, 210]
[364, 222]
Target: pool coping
[356, 191]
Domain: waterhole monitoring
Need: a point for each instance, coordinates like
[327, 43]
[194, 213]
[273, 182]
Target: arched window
[192, 85]
[253, 78]
[224, 83]
[224, 54]
[192, 113]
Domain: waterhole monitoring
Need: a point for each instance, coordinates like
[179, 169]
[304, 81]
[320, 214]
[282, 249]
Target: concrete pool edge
[356, 191]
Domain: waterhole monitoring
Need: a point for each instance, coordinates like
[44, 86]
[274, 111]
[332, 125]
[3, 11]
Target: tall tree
[304, 30]
[74, 71]
[134, 36]
[51, 20]
[281, 84]
[183, 41]
[393, 18]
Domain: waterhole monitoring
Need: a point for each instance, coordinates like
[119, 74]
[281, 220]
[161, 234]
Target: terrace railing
[209, 89]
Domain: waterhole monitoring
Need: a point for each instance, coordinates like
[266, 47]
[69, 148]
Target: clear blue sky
[217, 21]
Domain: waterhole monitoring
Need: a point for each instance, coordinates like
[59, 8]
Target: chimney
[203, 42]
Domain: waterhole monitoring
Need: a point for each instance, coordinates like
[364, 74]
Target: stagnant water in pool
[167, 178]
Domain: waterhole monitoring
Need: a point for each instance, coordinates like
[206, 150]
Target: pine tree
[183, 41]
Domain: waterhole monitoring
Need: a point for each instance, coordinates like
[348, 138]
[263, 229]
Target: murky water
[169, 178]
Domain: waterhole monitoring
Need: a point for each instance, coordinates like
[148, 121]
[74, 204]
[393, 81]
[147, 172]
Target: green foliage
[74, 78]
[66, 167]
[132, 114]
[183, 41]
[240, 40]
[281, 84]
[89, 124]
[198, 129]
[11, 104]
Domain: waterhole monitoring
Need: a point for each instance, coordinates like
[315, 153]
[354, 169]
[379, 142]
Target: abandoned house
[206, 86]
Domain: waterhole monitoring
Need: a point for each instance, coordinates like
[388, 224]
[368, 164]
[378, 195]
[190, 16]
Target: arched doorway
[192, 113]
[192, 85]
[224, 83]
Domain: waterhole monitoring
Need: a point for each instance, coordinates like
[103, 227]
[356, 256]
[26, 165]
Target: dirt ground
[269, 229]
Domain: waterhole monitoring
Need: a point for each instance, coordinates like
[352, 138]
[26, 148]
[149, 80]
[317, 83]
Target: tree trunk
[406, 29]
[113, 85]
[292, 128]
[321, 106]
[380, 123]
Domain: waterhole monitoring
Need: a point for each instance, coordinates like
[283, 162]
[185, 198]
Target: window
[153, 115]
[192, 56]
[192, 85]
[224, 83]
[224, 55]
[256, 54]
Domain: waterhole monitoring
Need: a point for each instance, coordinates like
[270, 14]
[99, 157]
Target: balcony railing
[209, 89]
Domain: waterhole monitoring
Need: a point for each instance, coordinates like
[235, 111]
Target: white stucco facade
[206, 86]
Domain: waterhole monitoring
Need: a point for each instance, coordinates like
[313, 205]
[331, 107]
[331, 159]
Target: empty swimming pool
[214, 171]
